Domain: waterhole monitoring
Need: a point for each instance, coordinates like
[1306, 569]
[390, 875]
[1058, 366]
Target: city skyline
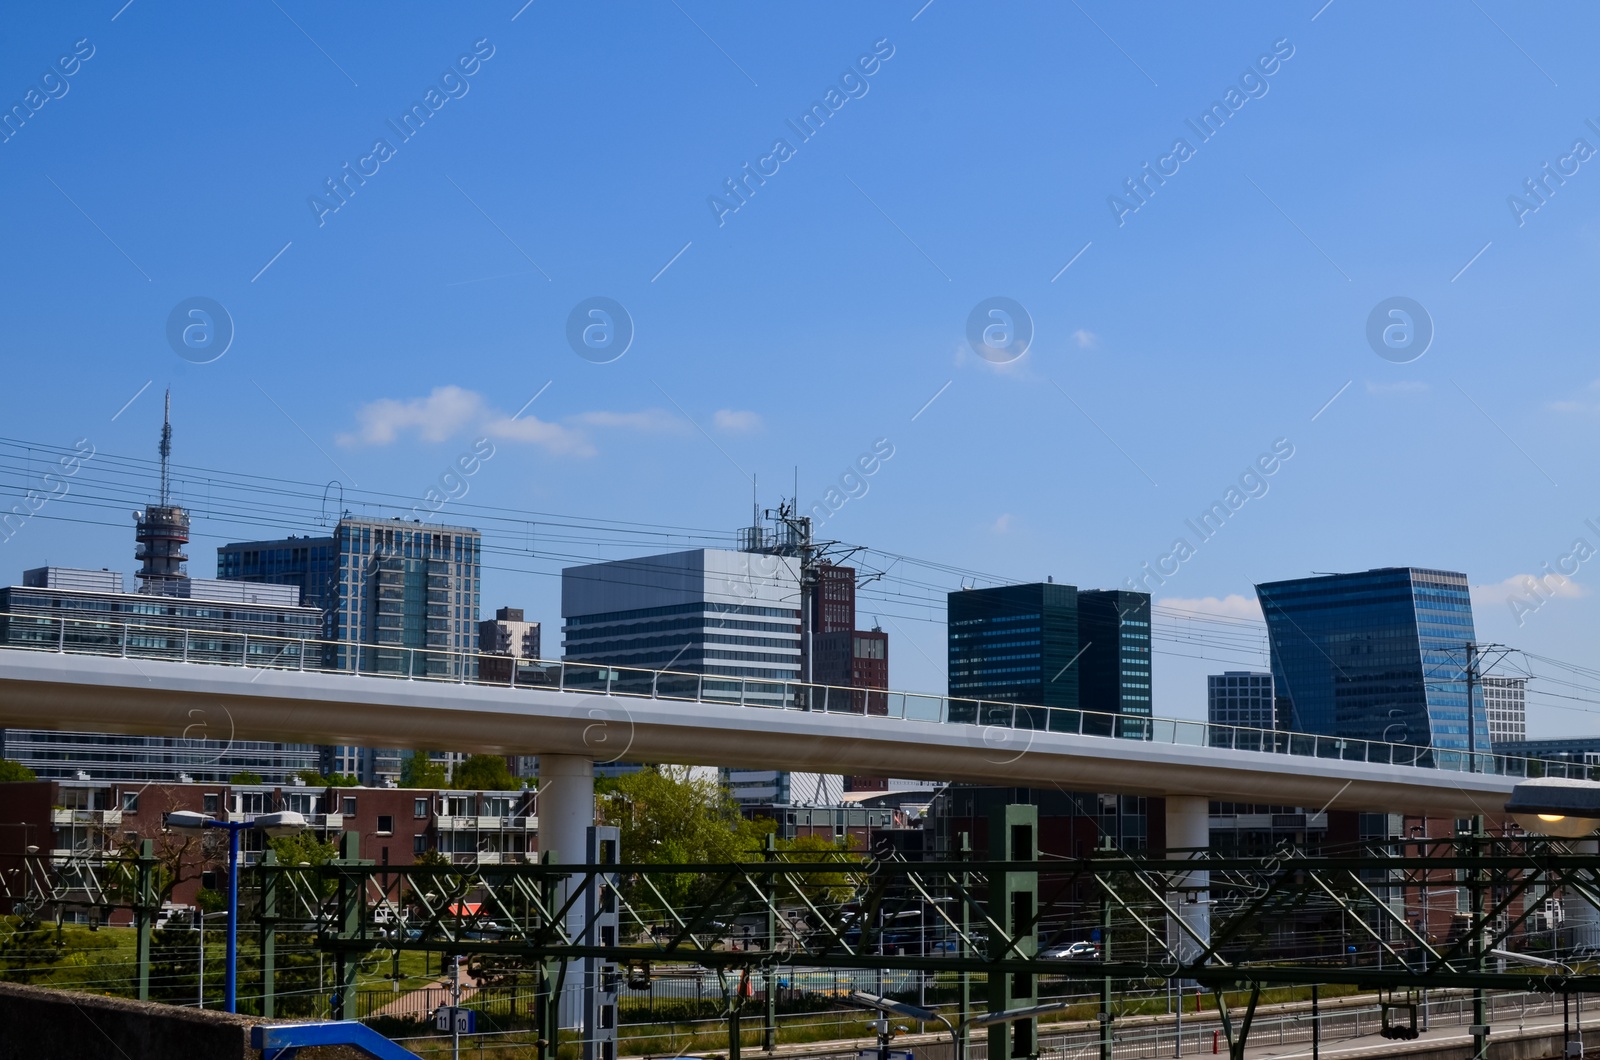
[1197, 350]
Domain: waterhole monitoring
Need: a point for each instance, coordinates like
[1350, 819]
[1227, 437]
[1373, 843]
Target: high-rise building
[1376, 655]
[397, 597]
[1114, 634]
[1241, 697]
[715, 612]
[1054, 645]
[508, 633]
[504, 641]
[705, 611]
[1505, 700]
[310, 564]
[1015, 644]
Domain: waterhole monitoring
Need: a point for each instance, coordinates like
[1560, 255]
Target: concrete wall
[69, 1026]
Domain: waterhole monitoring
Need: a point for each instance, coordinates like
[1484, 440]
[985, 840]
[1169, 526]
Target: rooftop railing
[1007, 726]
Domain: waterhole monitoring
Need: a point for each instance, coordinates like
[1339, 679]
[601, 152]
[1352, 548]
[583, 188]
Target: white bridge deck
[102, 676]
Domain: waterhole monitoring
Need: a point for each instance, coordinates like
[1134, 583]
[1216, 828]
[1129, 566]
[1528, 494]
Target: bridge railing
[1002, 723]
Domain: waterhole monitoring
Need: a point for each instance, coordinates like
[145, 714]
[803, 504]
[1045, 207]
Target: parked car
[1076, 951]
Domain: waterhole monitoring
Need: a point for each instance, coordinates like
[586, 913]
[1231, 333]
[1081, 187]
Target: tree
[419, 770]
[670, 816]
[245, 777]
[823, 888]
[485, 773]
[11, 772]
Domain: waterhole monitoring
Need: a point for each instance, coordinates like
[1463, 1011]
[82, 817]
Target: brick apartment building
[67, 820]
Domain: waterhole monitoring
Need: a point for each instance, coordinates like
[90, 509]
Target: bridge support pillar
[1582, 919]
[566, 813]
[1188, 836]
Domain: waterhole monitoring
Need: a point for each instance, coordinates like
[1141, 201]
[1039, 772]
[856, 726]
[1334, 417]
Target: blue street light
[274, 824]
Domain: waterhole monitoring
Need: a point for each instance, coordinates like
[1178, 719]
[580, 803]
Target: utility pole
[455, 1006]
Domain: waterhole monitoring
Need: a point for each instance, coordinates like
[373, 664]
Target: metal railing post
[609, 672]
[124, 640]
[61, 636]
[244, 650]
[185, 645]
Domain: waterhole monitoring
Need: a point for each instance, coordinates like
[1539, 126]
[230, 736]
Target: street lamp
[1556, 806]
[285, 822]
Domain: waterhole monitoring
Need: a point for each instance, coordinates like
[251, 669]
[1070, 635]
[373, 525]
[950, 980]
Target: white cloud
[1231, 606]
[1589, 405]
[1001, 525]
[1085, 339]
[434, 418]
[551, 436]
[1529, 588]
[451, 411]
[736, 421]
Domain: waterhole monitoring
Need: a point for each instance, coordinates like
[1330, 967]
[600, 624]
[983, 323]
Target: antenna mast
[166, 445]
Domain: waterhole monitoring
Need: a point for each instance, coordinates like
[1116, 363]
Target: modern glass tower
[1379, 655]
[1053, 645]
[397, 596]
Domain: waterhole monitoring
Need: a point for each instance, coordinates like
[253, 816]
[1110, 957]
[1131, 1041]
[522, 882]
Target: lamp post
[274, 824]
[1567, 809]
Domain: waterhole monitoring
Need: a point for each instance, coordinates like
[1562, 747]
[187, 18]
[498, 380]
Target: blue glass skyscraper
[1379, 655]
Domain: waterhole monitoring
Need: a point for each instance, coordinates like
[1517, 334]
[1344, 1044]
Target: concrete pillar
[1189, 826]
[566, 805]
[1582, 919]
[566, 812]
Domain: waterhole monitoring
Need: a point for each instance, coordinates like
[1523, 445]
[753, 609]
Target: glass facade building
[1378, 655]
[1054, 646]
[396, 596]
[1114, 631]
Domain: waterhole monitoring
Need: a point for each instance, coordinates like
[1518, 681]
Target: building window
[130, 802]
[419, 808]
[210, 803]
[419, 844]
[385, 824]
[348, 806]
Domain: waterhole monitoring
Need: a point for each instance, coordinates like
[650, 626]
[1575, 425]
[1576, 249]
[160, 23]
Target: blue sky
[374, 342]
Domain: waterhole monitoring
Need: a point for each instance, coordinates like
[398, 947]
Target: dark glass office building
[1114, 638]
[1014, 643]
[1378, 655]
[1052, 645]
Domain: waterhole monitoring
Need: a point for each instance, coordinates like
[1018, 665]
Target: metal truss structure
[976, 920]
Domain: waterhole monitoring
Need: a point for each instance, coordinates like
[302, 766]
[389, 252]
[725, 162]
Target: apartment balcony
[104, 818]
[488, 824]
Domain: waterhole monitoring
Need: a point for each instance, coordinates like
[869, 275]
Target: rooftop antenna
[166, 445]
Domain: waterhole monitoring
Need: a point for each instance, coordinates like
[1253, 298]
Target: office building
[1505, 701]
[310, 564]
[1114, 652]
[1579, 750]
[1376, 655]
[191, 618]
[1240, 697]
[715, 612]
[705, 611]
[1053, 645]
[397, 597]
[1015, 644]
[508, 633]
